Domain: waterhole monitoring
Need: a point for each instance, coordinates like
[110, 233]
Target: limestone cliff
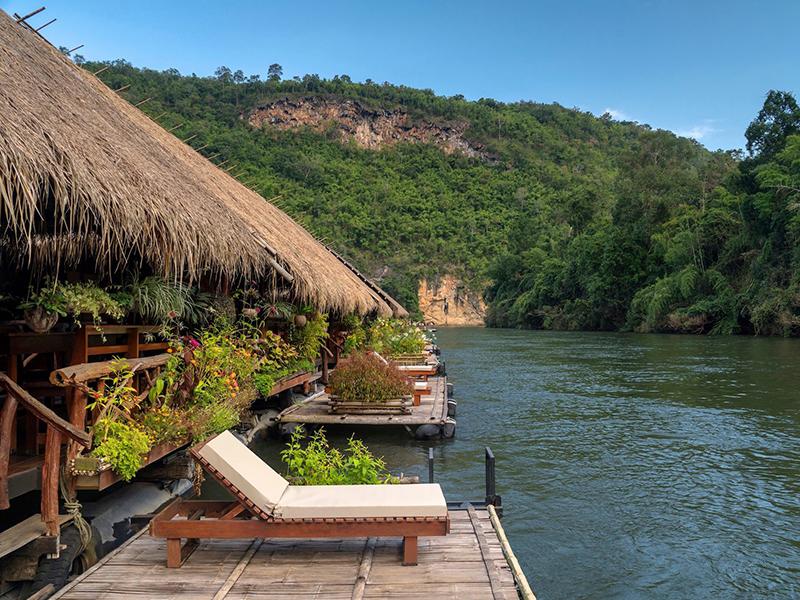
[370, 127]
[446, 301]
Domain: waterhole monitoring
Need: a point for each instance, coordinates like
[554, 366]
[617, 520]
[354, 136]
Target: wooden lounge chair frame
[241, 519]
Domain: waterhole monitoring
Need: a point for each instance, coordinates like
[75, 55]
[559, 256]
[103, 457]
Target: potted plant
[86, 302]
[368, 384]
[43, 308]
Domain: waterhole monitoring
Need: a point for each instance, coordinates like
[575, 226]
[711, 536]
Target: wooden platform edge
[523, 586]
[98, 564]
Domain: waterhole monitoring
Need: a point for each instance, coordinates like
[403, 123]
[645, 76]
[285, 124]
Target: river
[630, 466]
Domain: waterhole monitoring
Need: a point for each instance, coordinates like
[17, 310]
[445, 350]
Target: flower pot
[300, 321]
[39, 320]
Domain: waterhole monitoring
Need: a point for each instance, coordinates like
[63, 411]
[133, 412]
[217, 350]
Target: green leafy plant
[88, 298]
[49, 298]
[319, 463]
[156, 300]
[395, 336]
[122, 445]
[309, 339]
[365, 378]
[355, 335]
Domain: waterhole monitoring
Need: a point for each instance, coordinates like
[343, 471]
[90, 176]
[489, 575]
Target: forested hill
[562, 219]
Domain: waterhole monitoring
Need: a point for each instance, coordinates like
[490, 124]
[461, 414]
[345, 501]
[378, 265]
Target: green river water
[630, 466]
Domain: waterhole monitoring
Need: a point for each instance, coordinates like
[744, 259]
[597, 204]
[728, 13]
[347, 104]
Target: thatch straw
[77, 162]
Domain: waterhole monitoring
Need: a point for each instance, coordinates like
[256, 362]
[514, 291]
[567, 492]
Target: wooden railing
[82, 377]
[56, 428]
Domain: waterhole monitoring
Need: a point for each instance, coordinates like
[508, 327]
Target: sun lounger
[421, 371]
[266, 505]
[421, 388]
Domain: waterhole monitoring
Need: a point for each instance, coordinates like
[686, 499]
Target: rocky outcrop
[369, 127]
[446, 301]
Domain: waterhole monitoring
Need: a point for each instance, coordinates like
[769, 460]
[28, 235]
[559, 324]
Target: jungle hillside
[559, 219]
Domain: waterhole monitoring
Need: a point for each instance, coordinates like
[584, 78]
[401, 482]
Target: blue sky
[699, 68]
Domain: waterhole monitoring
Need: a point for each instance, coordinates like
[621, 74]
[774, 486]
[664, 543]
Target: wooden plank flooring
[460, 565]
[432, 409]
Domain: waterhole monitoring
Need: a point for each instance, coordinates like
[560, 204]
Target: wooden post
[50, 469]
[6, 433]
[324, 354]
[133, 342]
[77, 416]
[410, 550]
[173, 553]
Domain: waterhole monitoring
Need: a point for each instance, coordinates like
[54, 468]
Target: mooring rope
[73, 507]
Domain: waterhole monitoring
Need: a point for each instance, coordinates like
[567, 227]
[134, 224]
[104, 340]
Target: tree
[777, 119]
[224, 74]
[274, 72]
[238, 76]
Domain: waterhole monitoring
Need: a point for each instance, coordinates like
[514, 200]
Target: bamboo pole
[50, 22]
[522, 582]
[30, 14]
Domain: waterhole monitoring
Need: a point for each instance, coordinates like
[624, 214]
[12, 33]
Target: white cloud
[617, 114]
[698, 132]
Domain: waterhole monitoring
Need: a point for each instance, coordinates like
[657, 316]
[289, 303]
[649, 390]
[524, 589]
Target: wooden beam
[50, 471]
[30, 14]
[82, 373]
[43, 413]
[50, 22]
[237, 572]
[364, 568]
[6, 433]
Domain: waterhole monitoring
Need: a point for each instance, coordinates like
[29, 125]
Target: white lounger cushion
[430, 368]
[272, 493]
[244, 469]
[421, 385]
[365, 501]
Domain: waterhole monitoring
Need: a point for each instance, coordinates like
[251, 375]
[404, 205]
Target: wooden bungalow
[90, 186]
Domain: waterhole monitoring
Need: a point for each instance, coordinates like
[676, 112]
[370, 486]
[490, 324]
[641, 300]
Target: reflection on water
[630, 465]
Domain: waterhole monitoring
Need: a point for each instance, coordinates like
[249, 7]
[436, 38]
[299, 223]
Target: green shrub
[318, 463]
[395, 336]
[365, 378]
[121, 445]
[309, 338]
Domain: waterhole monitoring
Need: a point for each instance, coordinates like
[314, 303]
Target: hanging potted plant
[86, 302]
[43, 308]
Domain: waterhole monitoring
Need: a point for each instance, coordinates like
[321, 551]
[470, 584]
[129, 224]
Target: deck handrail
[81, 373]
[45, 414]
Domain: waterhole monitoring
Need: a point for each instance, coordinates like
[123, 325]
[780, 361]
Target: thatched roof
[79, 163]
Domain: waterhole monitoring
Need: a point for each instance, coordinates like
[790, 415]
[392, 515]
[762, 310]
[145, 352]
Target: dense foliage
[366, 378]
[572, 221]
[318, 463]
[388, 337]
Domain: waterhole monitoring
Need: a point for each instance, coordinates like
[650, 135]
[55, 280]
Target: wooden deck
[466, 564]
[432, 409]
